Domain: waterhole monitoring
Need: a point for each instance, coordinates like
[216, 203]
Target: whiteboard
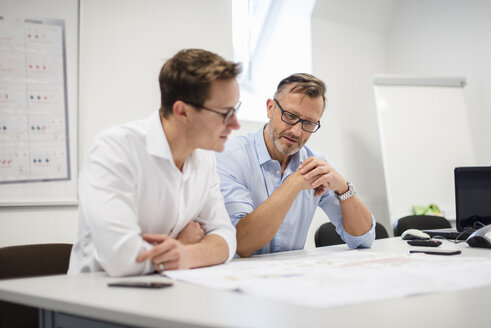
[51, 28]
[424, 135]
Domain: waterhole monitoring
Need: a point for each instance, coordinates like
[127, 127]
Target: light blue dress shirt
[248, 177]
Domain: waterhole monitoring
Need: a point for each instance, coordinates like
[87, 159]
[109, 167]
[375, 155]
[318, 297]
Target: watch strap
[348, 194]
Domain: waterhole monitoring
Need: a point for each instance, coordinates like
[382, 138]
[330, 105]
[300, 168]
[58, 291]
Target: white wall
[348, 47]
[123, 44]
[448, 37]
[354, 39]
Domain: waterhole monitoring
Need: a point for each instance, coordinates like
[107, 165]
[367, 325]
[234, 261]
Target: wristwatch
[348, 194]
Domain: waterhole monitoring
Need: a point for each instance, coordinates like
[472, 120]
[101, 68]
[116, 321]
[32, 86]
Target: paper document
[352, 277]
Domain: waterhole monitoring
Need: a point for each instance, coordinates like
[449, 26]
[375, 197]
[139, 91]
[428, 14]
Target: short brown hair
[187, 76]
[305, 83]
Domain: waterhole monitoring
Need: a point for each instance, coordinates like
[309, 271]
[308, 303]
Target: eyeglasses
[292, 119]
[226, 116]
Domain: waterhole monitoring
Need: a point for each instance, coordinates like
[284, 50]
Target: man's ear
[181, 111]
[269, 105]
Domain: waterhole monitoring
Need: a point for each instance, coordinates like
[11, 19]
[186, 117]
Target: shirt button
[278, 172]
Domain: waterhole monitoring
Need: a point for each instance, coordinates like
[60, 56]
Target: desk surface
[187, 305]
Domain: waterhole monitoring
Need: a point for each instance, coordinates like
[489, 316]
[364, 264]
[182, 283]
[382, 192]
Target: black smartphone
[436, 252]
[140, 284]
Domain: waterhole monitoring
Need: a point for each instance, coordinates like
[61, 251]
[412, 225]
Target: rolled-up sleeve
[330, 205]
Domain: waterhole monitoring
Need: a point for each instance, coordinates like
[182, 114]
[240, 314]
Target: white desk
[187, 305]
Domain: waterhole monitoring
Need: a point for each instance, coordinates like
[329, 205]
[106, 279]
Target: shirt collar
[263, 153]
[261, 149]
[158, 145]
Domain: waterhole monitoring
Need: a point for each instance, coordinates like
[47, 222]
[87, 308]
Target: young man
[149, 191]
[272, 183]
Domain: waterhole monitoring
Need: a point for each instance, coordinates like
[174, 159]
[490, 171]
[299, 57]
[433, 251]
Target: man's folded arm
[214, 217]
[109, 208]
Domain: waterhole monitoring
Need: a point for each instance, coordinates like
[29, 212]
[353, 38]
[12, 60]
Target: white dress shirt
[129, 185]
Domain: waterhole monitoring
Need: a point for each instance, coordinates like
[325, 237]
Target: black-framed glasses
[226, 116]
[292, 119]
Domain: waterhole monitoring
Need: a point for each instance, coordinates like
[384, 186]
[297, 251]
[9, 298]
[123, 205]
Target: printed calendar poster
[34, 143]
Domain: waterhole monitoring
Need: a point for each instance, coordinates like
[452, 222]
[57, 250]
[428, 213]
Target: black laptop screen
[472, 197]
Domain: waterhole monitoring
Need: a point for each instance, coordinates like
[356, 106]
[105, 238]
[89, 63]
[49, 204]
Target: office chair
[326, 234]
[420, 222]
[28, 261]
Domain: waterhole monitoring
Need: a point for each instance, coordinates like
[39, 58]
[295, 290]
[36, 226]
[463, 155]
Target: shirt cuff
[230, 239]
[237, 211]
[148, 265]
[363, 241]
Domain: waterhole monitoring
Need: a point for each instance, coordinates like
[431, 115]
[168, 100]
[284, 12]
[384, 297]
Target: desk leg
[46, 319]
[53, 319]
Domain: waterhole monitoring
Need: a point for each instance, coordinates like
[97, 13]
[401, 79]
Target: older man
[272, 183]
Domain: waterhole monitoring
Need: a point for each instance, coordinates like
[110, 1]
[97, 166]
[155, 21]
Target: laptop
[472, 202]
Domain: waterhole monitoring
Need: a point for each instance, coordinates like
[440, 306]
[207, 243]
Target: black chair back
[28, 261]
[326, 234]
[420, 222]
